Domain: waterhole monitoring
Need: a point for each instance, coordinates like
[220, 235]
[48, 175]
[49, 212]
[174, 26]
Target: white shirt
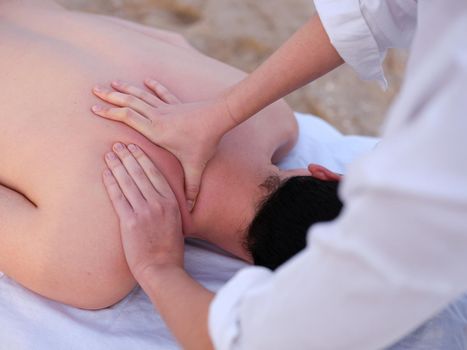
[398, 253]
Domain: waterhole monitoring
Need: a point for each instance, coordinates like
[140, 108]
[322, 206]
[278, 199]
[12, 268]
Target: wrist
[213, 121]
[223, 119]
[157, 273]
[237, 105]
[245, 99]
[232, 119]
[229, 113]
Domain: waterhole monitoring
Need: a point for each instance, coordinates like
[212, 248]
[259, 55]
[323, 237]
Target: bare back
[58, 234]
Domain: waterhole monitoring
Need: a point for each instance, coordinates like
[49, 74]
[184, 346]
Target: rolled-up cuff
[352, 38]
[224, 313]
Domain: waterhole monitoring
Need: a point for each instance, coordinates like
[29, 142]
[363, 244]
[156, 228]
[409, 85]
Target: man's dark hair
[279, 228]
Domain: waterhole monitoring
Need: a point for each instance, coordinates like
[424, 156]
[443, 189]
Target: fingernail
[150, 81]
[117, 83]
[132, 147]
[107, 172]
[111, 156]
[118, 147]
[97, 89]
[97, 109]
[190, 204]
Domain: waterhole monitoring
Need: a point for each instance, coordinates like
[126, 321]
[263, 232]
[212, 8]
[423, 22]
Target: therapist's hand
[189, 131]
[150, 220]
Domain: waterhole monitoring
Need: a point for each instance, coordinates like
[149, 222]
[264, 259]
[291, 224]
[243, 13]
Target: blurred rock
[244, 33]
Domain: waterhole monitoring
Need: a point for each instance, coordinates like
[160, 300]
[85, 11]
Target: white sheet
[28, 321]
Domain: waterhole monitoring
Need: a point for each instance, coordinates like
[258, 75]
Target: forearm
[306, 56]
[182, 302]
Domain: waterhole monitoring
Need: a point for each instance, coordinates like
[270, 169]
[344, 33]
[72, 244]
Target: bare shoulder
[286, 135]
[266, 137]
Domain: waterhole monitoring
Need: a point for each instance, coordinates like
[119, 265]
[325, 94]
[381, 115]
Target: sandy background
[245, 32]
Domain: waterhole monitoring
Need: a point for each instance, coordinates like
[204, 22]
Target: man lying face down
[59, 235]
[293, 200]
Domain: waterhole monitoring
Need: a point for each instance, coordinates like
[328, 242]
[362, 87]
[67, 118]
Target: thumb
[193, 175]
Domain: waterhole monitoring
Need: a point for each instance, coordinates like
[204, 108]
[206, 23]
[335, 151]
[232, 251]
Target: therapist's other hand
[185, 130]
[150, 220]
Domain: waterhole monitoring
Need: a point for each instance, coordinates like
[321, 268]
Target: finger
[322, 173]
[119, 202]
[124, 180]
[162, 92]
[193, 175]
[125, 115]
[136, 172]
[155, 176]
[124, 100]
[150, 99]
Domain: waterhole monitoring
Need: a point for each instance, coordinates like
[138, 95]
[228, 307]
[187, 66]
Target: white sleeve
[363, 30]
[398, 252]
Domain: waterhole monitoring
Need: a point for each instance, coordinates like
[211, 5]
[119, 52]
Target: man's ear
[321, 173]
